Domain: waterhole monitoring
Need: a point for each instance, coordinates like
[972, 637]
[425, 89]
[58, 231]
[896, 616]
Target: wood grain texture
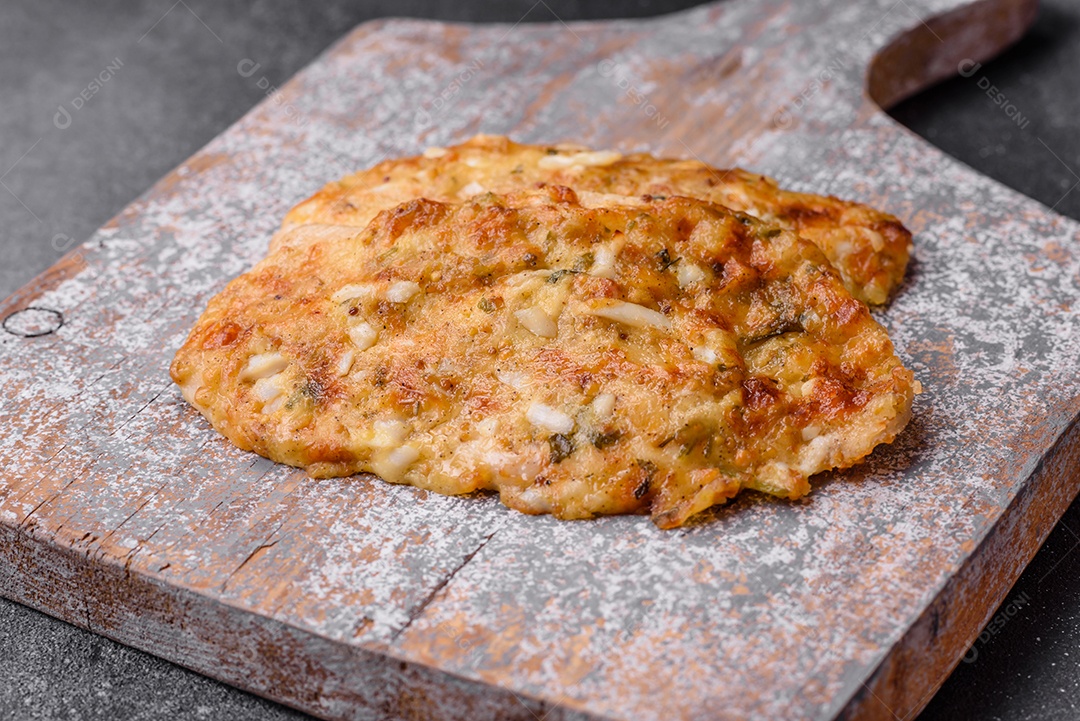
[122, 512]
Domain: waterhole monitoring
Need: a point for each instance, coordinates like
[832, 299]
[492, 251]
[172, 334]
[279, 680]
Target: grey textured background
[176, 87]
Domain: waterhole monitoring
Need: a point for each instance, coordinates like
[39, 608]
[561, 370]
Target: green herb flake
[561, 447]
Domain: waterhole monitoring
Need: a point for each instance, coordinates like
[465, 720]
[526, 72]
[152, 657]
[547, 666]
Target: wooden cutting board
[122, 512]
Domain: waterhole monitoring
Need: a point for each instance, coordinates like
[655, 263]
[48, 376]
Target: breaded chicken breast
[579, 355]
[869, 248]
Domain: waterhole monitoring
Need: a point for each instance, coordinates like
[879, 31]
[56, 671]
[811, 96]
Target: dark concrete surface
[173, 86]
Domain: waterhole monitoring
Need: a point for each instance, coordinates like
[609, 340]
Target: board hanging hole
[33, 322]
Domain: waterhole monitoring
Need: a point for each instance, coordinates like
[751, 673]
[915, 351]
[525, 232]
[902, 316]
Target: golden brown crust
[579, 356]
[869, 248]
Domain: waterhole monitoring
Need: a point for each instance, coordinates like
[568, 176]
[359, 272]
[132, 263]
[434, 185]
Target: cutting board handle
[954, 42]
